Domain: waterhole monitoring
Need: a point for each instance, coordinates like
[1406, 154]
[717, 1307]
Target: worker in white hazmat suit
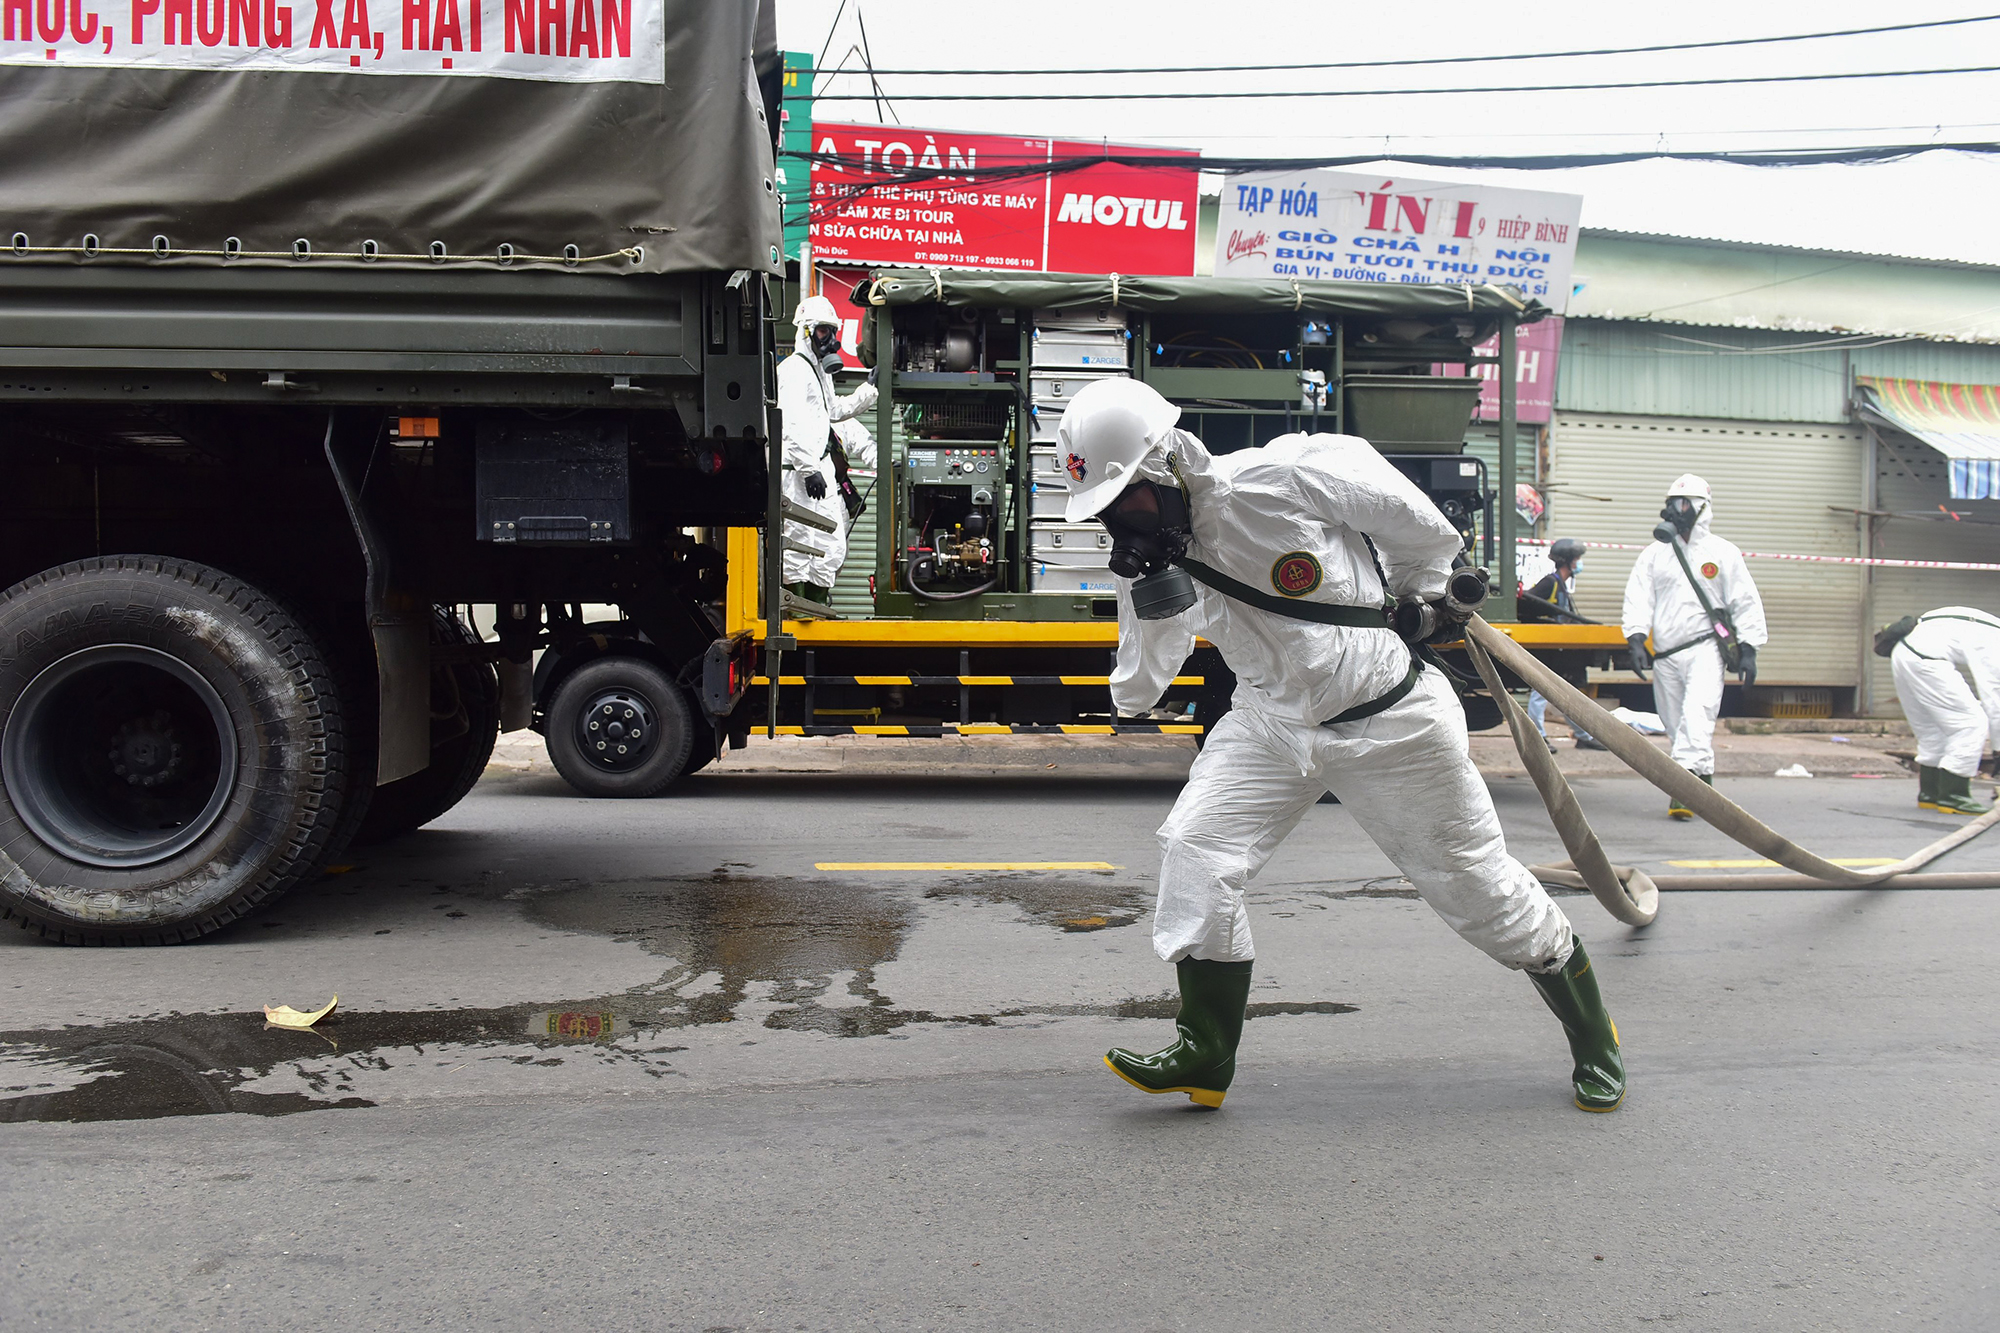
[1692, 593]
[1265, 554]
[810, 407]
[1953, 725]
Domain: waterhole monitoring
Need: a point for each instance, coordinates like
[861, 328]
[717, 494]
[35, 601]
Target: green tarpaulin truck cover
[606, 125]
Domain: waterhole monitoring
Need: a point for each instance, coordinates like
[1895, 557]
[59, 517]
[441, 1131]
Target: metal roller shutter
[1911, 482]
[1777, 488]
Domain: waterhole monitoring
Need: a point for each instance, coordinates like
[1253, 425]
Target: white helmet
[1691, 486]
[1108, 431]
[814, 311]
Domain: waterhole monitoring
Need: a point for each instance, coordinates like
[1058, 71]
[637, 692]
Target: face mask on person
[1149, 526]
[1678, 518]
[825, 339]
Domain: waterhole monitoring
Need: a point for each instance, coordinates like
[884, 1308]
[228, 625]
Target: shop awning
[1960, 421]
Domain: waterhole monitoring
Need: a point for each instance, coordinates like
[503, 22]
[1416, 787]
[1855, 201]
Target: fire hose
[1628, 893]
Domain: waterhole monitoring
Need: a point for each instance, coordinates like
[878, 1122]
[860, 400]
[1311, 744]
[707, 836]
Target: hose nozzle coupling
[1441, 619]
[1466, 590]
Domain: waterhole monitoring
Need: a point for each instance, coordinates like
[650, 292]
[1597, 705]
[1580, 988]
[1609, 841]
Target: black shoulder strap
[1721, 618]
[1322, 613]
[1970, 620]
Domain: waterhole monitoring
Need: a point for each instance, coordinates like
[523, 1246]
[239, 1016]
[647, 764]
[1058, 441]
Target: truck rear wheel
[172, 751]
[465, 721]
[620, 726]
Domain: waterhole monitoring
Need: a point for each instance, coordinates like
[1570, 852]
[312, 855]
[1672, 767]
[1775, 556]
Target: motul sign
[1101, 218]
[1110, 210]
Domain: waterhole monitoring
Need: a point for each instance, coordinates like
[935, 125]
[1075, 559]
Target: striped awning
[1960, 421]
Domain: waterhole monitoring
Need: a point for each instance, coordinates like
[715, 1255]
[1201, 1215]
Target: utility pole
[1509, 520]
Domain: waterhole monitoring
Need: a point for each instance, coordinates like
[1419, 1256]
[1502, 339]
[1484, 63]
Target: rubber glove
[1641, 659]
[815, 486]
[1747, 672]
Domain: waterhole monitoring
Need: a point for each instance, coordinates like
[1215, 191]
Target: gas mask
[825, 339]
[1678, 518]
[1149, 528]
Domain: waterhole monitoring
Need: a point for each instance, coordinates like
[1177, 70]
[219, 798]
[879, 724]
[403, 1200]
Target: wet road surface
[646, 1065]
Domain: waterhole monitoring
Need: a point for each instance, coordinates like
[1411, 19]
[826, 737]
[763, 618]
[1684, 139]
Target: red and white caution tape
[1809, 559]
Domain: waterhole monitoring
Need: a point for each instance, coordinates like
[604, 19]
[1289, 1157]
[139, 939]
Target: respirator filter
[1148, 523]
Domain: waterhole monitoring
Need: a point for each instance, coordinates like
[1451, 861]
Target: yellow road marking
[966, 865]
[1753, 864]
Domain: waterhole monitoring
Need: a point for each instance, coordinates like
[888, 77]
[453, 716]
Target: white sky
[1939, 205]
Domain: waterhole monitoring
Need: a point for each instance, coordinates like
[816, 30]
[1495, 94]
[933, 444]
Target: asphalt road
[645, 1065]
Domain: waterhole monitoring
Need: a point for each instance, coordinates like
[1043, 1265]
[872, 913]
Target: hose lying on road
[1628, 893]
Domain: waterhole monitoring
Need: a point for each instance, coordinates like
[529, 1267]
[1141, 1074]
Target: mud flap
[399, 620]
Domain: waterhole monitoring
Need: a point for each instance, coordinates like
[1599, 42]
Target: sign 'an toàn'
[988, 208]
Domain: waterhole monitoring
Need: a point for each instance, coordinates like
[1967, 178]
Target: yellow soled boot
[1676, 810]
[1597, 1076]
[1202, 1060]
[1952, 795]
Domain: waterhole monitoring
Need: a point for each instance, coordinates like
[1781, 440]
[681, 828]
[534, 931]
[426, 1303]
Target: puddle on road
[809, 948]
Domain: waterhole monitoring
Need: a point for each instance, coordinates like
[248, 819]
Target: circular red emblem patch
[1296, 574]
[1077, 467]
[1709, 569]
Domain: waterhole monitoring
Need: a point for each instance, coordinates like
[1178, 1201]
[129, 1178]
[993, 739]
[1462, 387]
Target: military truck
[312, 334]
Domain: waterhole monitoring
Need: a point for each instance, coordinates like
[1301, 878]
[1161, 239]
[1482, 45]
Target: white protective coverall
[1952, 726]
[1296, 509]
[1687, 684]
[811, 408]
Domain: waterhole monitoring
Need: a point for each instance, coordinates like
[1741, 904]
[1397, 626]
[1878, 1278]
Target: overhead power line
[1447, 60]
[870, 175]
[1392, 92]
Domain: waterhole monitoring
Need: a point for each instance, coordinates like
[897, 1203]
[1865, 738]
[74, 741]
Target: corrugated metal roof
[1734, 284]
[1727, 243]
[1742, 374]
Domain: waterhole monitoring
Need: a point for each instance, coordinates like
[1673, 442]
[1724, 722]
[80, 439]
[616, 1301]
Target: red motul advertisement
[1119, 219]
[1098, 219]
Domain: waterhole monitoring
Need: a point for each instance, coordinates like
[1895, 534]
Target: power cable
[873, 176]
[830, 28]
[1310, 93]
[1445, 60]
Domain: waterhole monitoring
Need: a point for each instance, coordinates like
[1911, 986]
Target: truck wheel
[172, 751]
[619, 726]
[465, 721]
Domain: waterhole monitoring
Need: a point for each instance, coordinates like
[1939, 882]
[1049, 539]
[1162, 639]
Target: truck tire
[465, 721]
[591, 723]
[172, 750]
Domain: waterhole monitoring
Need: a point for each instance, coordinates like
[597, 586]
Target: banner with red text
[1370, 228]
[1095, 219]
[570, 41]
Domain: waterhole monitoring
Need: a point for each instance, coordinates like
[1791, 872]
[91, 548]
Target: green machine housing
[976, 369]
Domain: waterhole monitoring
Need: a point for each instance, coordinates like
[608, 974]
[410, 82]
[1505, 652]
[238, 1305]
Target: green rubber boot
[1202, 1061]
[1954, 796]
[1675, 810]
[1571, 994]
[1927, 787]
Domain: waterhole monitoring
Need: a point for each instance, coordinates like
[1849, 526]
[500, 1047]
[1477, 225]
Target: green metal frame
[1229, 385]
